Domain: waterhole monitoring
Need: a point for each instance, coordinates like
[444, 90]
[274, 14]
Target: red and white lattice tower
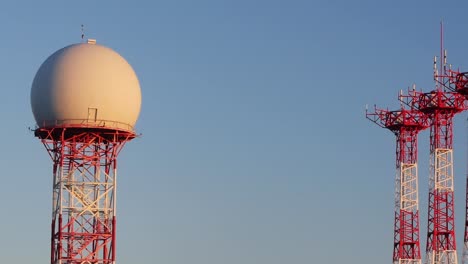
[460, 84]
[86, 99]
[440, 105]
[453, 81]
[405, 124]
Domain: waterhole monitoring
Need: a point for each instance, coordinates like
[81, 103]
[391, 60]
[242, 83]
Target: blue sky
[255, 148]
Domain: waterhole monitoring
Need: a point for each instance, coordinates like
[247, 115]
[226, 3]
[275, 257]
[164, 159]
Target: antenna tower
[440, 106]
[405, 124]
[458, 82]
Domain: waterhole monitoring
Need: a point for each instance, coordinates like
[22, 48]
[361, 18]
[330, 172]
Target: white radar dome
[86, 85]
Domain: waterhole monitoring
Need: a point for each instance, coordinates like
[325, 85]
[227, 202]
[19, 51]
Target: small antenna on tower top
[442, 58]
[82, 33]
[400, 96]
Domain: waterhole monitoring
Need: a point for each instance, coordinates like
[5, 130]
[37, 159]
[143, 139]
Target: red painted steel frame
[465, 236]
[440, 106]
[461, 86]
[405, 124]
[84, 233]
[456, 81]
[461, 83]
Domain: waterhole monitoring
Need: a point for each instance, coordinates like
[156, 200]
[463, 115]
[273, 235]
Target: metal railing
[85, 123]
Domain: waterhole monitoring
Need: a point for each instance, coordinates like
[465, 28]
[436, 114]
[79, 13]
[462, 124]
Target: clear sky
[255, 148]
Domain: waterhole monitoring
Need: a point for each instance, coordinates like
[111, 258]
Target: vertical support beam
[461, 84]
[441, 245]
[405, 124]
[465, 237]
[406, 239]
[407, 246]
[441, 233]
[84, 197]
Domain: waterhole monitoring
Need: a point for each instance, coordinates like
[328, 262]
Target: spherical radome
[86, 85]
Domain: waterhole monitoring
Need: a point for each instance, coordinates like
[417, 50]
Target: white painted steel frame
[407, 188]
[408, 261]
[406, 196]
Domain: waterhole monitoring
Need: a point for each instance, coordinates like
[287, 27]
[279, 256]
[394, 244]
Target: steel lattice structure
[459, 84]
[405, 124]
[84, 192]
[440, 106]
